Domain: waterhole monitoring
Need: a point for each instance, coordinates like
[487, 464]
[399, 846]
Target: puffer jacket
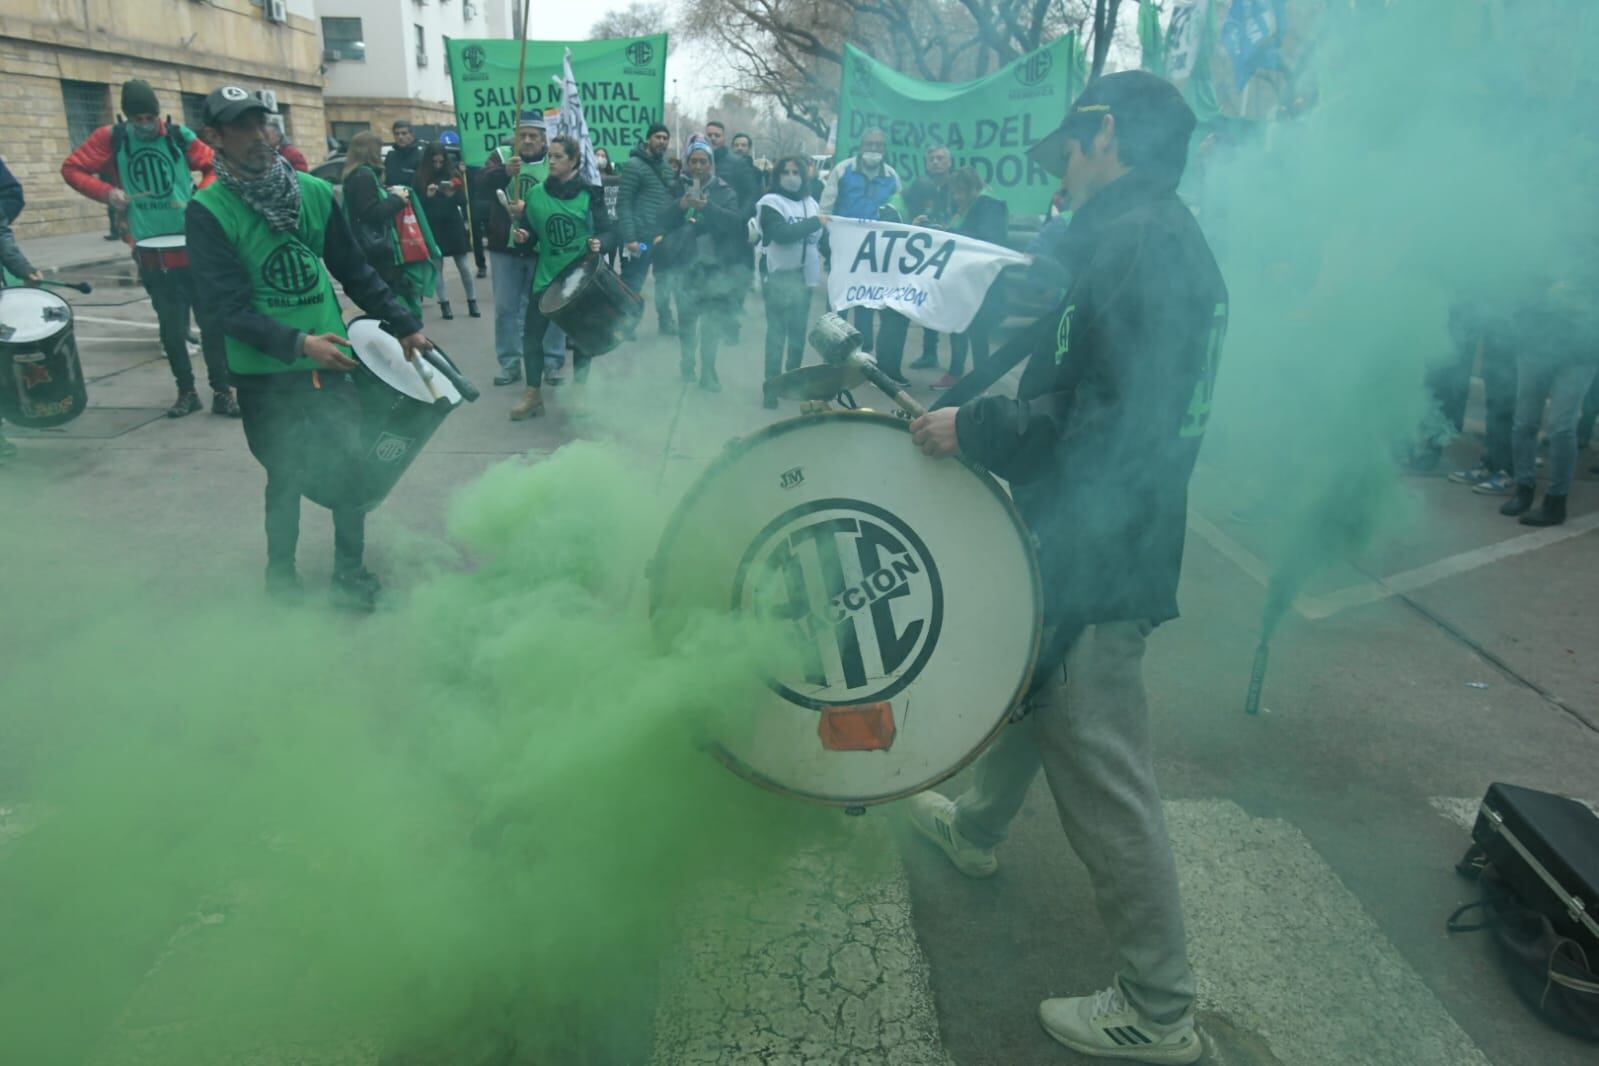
[643, 196]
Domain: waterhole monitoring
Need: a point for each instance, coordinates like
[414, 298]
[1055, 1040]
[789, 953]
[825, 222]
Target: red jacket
[295, 157]
[92, 167]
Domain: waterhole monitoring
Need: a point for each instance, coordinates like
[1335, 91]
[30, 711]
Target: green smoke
[457, 827]
[1445, 159]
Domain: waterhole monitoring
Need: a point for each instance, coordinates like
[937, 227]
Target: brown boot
[529, 406]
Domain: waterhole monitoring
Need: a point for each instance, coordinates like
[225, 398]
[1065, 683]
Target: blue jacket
[863, 197]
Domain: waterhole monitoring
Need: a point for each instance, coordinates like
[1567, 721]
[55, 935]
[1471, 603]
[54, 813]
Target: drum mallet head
[838, 342]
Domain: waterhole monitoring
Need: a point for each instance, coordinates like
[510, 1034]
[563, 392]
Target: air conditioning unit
[276, 10]
[421, 59]
[469, 11]
[269, 98]
[331, 55]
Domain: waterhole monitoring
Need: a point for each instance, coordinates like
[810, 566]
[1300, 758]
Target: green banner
[988, 123]
[622, 82]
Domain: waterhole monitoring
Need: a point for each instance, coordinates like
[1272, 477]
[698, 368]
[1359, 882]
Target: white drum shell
[946, 514]
[32, 315]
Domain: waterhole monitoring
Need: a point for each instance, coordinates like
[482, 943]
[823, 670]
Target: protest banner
[935, 278]
[622, 83]
[988, 124]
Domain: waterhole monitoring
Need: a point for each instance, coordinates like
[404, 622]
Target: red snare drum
[162, 253]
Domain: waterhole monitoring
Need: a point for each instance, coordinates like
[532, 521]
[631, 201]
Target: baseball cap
[1152, 120]
[228, 103]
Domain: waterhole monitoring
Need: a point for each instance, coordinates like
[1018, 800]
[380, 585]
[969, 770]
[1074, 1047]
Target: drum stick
[439, 360]
[882, 381]
[426, 374]
[76, 286]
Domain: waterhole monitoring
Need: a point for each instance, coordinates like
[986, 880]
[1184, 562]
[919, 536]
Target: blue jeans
[1564, 384]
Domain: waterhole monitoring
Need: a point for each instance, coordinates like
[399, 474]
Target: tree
[791, 52]
[638, 19]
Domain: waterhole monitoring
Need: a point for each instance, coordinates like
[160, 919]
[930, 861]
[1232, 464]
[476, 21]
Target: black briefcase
[1536, 855]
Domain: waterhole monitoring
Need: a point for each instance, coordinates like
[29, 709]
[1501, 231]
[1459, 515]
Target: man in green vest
[267, 242]
[142, 168]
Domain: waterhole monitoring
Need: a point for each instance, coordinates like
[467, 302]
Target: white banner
[934, 278]
[571, 123]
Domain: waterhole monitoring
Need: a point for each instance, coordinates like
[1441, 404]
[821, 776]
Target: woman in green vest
[371, 209]
[567, 220]
[266, 242]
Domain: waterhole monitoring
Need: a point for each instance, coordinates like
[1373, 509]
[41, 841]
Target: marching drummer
[1098, 447]
[266, 242]
[141, 167]
[12, 259]
[566, 219]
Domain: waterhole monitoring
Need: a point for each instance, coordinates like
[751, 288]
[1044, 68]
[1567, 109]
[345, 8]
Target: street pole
[677, 134]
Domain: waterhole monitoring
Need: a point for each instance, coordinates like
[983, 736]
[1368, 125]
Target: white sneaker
[934, 818]
[1105, 1025]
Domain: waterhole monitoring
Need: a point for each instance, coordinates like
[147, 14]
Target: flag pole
[521, 65]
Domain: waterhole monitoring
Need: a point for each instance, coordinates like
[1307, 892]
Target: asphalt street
[1315, 842]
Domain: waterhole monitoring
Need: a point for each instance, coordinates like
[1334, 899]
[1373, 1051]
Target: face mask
[792, 182]
[872, 159]
[144, 131]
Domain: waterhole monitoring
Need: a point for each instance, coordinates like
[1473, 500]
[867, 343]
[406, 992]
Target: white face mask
[792, 182]
[872, 159]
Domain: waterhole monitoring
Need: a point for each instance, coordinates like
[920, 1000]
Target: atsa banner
[934, 278]
[621, 82]
[988, 124]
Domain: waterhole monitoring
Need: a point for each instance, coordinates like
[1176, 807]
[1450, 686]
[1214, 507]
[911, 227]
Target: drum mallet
[839, 343]
[76, 286]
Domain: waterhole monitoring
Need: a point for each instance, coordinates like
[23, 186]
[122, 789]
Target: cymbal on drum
[820, 382]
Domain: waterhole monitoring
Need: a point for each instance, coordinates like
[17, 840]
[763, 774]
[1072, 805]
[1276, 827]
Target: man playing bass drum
[264, 240]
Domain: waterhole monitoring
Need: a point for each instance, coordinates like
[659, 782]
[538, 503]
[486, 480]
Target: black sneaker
[283, 587]
[223, 403]
[356, 590]
[187, 403]
[509, 376]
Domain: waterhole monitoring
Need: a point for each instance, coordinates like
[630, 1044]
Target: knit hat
[530, 119]
[139, 99]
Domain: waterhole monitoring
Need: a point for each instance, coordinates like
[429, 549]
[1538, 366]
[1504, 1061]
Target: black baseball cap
[229, 103]
[1153, 120]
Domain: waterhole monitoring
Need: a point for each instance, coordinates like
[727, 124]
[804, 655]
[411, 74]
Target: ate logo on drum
[861, 591]
[292, 269]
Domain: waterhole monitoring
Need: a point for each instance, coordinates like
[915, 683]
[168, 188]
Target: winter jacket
[739, 172]
[924, 196]
[295, 157]
[367, 207]
[639, 205]
[1101, 439]
[444, 211]
[91, 169]
[11, 256]
[400, 165]
[849, 193]
[710, 243]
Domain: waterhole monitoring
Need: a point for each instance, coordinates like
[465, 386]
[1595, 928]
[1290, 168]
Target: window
[421, 45]
[194, 110]
[344, 37]
[283, 120]
[88, 107]
[343, 131]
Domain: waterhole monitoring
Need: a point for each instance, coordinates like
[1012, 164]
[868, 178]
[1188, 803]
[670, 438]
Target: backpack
[175, 138]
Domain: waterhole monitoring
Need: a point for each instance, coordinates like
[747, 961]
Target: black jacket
[11, 199]
[365, 205]
[924, 196]
[710, 246]
[446, 218]
[400, 165]
[1102, 438]
[642, 198]
[496, 177]
[739, 172]
[222, 284]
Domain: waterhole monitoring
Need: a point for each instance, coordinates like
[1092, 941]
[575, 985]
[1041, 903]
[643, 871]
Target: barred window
[88, 106]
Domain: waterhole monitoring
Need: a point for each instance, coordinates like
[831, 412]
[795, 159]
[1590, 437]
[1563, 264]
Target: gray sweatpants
[1089, 730]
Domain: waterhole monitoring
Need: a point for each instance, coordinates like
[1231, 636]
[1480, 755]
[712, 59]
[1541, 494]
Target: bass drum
[592, 305]
[904, 590]
[399, 412]
[41, 377]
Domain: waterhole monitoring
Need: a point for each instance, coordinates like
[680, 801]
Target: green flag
[988, 124]
[622, 83]
[1190, 42]
[1150, 43]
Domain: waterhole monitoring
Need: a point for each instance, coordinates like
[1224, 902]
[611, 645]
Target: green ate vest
[528, 178]
[155, 175]
[562, 227]
[288, 280]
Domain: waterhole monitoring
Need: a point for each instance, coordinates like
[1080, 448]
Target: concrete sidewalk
[75, 251]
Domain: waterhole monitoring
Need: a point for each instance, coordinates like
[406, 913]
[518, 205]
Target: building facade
[385, 59]
[64, 65]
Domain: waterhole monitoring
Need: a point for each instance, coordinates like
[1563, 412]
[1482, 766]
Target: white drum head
[907, 587]
[382, 354]
[32, 315]
[170, 240]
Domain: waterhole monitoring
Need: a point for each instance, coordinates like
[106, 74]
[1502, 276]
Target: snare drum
[41, 378]
[591, 304]
[906, 587]
[169, 252]
[399, 413]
